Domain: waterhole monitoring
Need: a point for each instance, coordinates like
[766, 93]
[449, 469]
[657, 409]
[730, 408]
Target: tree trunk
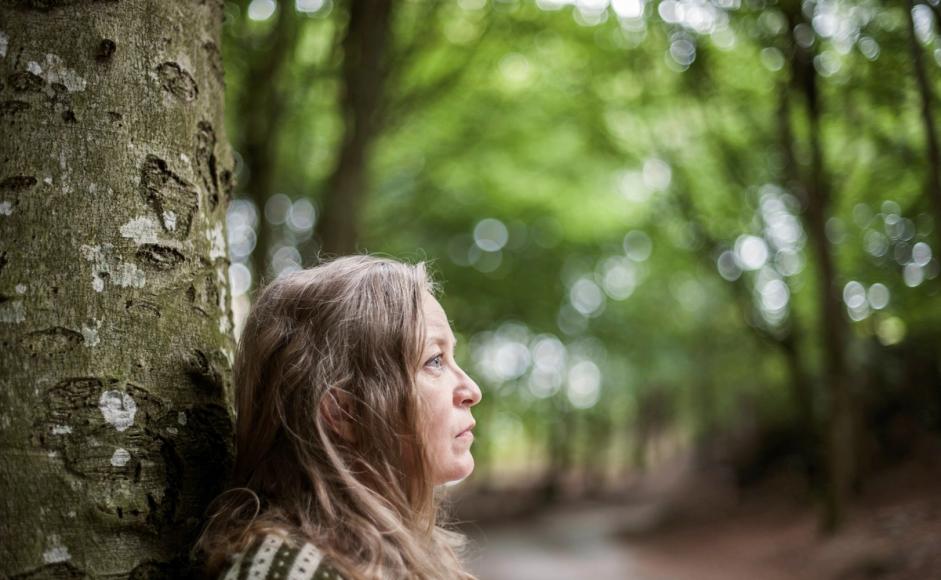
[364, 72]
[817, 198]
[115, 421]
[802, 389]
[803, 396]
[933, 150]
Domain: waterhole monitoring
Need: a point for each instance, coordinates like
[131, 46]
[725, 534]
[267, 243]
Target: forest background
[686, 228]
[681, 241]
[656, 221]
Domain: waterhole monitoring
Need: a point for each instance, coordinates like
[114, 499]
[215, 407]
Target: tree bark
[932, 148]
[364, 72]
[115, 421]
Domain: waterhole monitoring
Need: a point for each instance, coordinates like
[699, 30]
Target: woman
[350, 410]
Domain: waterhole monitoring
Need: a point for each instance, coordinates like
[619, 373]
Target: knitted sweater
[271, 558]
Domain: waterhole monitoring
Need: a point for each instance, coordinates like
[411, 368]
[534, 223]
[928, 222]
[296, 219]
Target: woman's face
[446, 395]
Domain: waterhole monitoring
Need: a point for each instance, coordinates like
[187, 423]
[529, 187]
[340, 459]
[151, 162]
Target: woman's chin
[458, 472]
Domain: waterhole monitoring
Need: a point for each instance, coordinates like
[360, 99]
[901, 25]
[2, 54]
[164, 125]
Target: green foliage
[573, 128]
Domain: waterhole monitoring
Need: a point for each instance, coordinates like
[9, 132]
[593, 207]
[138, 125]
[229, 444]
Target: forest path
[894, 533]
[614, 543]
[559, 544]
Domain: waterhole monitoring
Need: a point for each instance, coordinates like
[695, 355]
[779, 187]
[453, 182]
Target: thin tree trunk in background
[785, 341]
[600, 431]
[803, 396]
[933, 150]
[704, 401]
[364, 71]
[653, 416]
[560, 444]
[801, 387]
[262, 108]
[641, 441]
[833, 327]
[115, 422]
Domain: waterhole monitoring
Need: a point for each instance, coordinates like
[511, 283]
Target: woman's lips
[467, 433]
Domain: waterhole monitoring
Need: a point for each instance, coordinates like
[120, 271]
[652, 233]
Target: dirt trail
[672, 531]
[560, 544]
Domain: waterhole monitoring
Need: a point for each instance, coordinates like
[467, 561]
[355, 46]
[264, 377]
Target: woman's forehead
[437, 327]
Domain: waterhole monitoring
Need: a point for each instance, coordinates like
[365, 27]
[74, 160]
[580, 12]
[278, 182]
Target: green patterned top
[269, 557]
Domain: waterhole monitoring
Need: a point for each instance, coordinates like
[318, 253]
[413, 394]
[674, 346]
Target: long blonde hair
[348, 330]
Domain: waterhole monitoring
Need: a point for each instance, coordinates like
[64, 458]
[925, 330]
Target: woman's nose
[467, 393]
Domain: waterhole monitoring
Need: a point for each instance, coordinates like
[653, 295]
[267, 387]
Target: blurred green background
[693, 237]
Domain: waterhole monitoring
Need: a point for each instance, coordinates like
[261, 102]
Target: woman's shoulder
[271, 557]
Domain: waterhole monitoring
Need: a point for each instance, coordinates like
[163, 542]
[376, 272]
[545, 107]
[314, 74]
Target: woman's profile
[350, 411]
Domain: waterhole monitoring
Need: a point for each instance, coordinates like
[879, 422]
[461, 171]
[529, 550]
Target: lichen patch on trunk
[104, 267]
[118, 409]
[142, 230]
[90, 333]
[56, 552]
[120, 457]
[12, 311]
[216, 237]
[54, 72]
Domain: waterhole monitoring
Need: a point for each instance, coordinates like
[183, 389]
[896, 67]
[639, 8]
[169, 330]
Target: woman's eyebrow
[441, 339]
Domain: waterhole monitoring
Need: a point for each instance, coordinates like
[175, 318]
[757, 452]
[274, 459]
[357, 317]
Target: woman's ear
[335, 407]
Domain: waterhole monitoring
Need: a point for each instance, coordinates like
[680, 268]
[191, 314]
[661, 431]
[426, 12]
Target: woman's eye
[435, 362]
